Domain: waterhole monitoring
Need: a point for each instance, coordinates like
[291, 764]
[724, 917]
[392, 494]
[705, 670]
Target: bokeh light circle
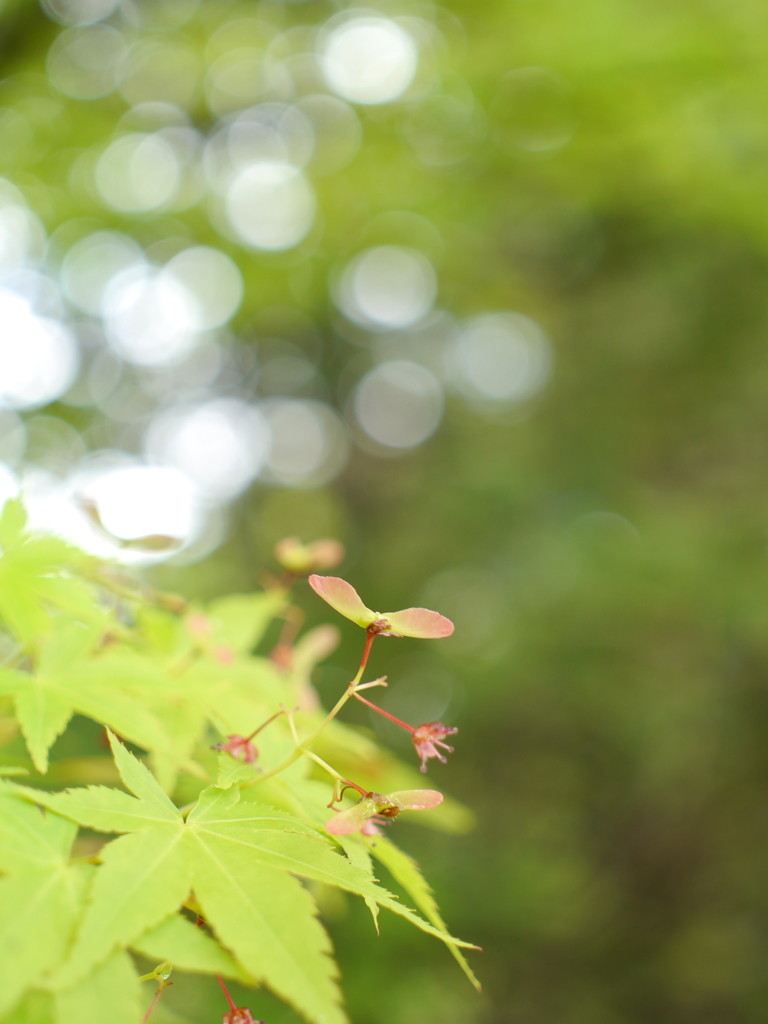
[387, 287]
[151, 319]
[91, 263]
[142, 501]
[79, 12]
[212, 280]
[9, 485]
[502, 358]
[270, 205]
[22, 236]
[369, 60]
[221, 445]
[138, 173]
[337, 132]
[162, 70]
[39, 358]
[309, 443]
[398, 404]
[81, 62]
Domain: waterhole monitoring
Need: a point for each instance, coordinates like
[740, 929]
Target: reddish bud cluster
[427, 738]
[240, 1015]
[299, 558]
[239, 747]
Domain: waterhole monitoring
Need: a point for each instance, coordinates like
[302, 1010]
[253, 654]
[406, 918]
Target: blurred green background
[478, 288]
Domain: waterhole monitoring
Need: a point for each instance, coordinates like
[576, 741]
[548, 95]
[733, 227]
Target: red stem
[161, 988]
[263, 725]
[226, 992]
[370, 637]
[354, 785]
[386, 714]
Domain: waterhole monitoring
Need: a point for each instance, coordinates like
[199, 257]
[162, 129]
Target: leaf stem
[226, 993]
[381, 681]
[335, 774]
[370, 637]
[263, 725]
[303, 747]
[386, 714]
[160, 989]
[160, 974]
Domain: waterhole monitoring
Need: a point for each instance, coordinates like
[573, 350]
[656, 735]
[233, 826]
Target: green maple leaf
[36, 572]
[308, 799]
[35, 1008]
[188, 948]
[66, 681]
[110, 991]
[405, 870]
[240, 859]
[228, 696]
[41, 897]
[144, 876]
[240, 620]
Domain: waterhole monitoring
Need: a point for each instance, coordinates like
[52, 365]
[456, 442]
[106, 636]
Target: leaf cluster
[187, 856]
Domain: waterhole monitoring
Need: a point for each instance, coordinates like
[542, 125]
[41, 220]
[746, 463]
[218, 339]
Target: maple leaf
[175, 667]
[406, 872]
[240, 620]
[41, 896]
[240, 859]
[66, 681]
[35, 572]
[246, 690]
[188, 948]
[111, 990]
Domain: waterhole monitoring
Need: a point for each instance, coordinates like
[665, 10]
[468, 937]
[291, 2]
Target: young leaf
[406, 871]
[35, 572]
[35, 1008]
[38, 913]
[40, 899]
[29, 839]
[110, 992]
[357, 853]
[269, 920]
[188, 948]
[312, 648]
[278, 840]
[63, 684]
[143, 877]
[239, 858]
[13, 521]
[240, 620]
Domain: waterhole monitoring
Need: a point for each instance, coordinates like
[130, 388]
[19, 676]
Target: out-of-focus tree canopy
[479, 289]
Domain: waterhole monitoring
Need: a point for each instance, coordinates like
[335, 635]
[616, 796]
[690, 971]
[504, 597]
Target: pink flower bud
[427, 738]
[239, 747]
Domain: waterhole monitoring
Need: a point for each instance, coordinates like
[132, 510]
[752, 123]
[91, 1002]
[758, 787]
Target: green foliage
[217, 886]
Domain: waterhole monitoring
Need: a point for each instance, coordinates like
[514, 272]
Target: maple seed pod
[377, 808]
[417, 622]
